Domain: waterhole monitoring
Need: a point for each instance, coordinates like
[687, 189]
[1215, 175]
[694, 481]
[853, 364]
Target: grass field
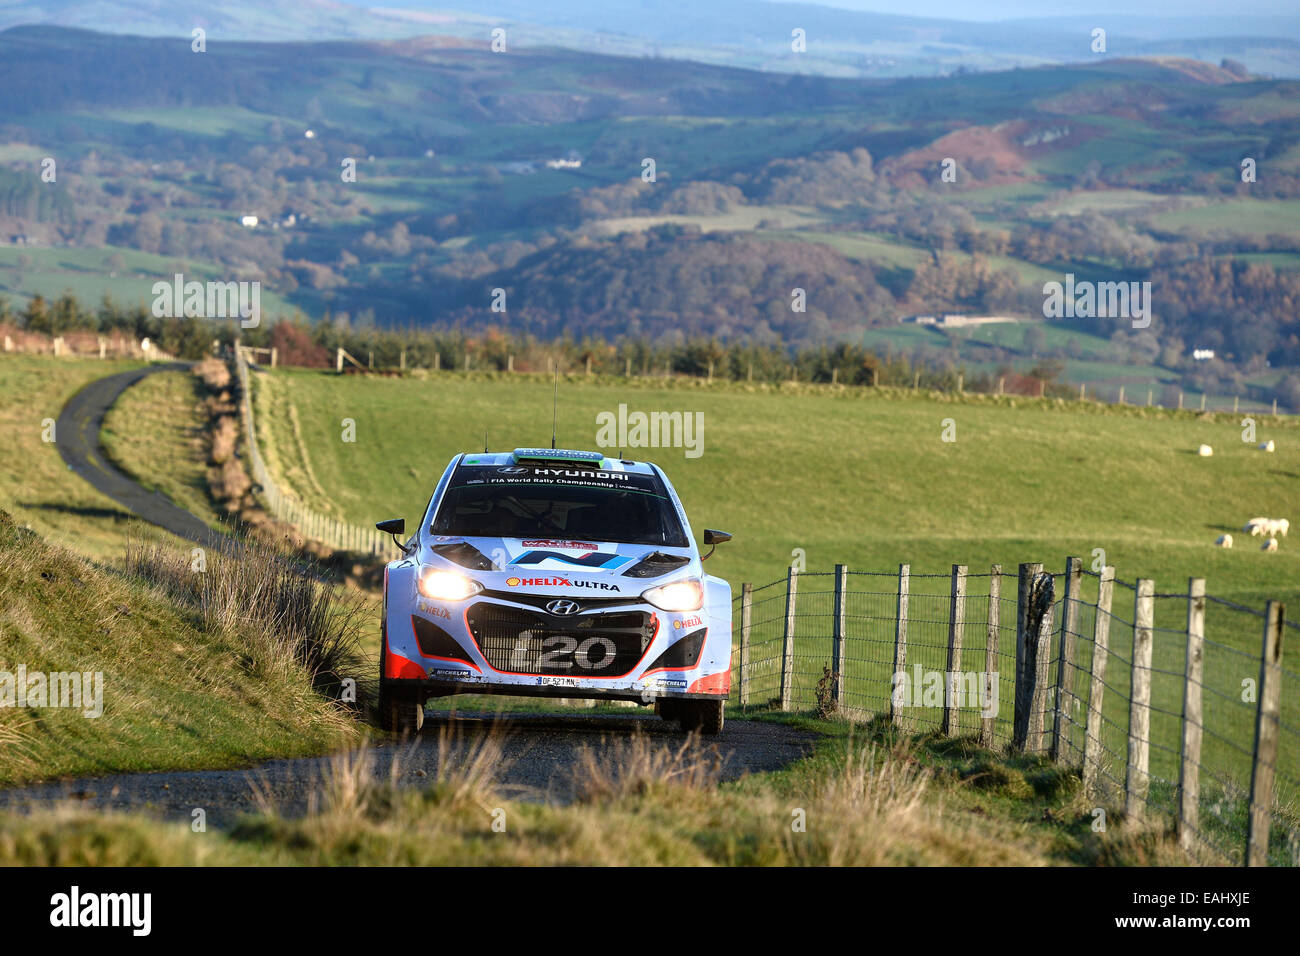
[153, 432]
[849, 476]
[787, 485]
[1246, 216]
[36, 486]
[89, 275]
[176, 690]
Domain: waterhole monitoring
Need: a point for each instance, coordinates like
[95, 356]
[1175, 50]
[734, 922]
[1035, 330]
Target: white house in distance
[954, 321]
[248, 222]
[1202, 355]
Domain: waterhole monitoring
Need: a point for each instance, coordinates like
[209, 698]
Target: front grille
[523, 641]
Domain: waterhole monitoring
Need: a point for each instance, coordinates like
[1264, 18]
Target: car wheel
[401, 710]
[706, 716]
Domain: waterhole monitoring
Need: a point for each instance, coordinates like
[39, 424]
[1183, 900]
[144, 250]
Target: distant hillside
[400, 182]
[746, 33]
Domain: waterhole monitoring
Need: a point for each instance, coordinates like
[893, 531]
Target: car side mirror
[394, 526]
[714, 538]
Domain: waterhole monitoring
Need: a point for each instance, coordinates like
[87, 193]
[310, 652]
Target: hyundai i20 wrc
[555, 573]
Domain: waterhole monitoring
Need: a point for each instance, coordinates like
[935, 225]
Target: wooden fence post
[900, 642]
[1024, 679]
[1062, 718]
[746, 616]
[956, 615]
[1189, 777]
[787, 639]
[1097, 685]
[837, 636]
[1266, 736]
[1045, 593]
[991, 656]
[1136, 779]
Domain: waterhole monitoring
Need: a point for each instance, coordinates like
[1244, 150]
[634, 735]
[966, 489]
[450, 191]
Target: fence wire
[1091, 704]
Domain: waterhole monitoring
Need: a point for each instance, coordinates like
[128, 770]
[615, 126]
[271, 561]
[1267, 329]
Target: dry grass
[214, 373]
[177, 693]
[637, 765]
[291, 620]
[223, 437]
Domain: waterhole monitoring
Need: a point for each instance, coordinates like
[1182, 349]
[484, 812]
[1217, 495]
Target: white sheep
[1266, 445]
[1269, 545]
[1255, 526]
[1205, 451]
[1225, 541]
[1281, 526]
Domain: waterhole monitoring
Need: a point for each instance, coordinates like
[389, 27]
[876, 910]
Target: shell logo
[512, 582]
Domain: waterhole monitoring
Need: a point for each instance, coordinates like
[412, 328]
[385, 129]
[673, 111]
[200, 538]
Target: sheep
[1283, 525]
[1266, 445]
[1225, 541]
[1255, 526]
[1269, 545]
[1205, 451]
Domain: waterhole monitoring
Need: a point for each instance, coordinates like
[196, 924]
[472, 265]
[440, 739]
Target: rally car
[554, 573]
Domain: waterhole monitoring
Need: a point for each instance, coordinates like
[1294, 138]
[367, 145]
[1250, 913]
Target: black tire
[706, 716]
[401, 709]
[668, 708]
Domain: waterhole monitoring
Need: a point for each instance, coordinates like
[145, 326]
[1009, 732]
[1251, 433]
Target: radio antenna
[485, 443]
[555, 402]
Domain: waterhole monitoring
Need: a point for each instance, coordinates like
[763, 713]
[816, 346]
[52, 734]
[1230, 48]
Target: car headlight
[687, 595]
[447, 585]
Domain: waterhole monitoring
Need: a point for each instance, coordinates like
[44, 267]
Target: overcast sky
[1004, 9]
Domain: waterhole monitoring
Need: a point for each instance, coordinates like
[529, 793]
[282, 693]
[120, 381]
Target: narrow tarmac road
[540, 754]
[77, 430]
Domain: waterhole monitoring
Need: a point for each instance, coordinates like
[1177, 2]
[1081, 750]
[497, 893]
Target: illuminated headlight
[447, 585]
[687, 595]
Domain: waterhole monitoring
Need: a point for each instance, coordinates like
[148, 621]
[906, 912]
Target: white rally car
[554, 573]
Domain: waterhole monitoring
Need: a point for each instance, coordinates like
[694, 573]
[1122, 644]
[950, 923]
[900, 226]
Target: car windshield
[547, 502]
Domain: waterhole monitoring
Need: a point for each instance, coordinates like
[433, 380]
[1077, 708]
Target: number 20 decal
[560, 653]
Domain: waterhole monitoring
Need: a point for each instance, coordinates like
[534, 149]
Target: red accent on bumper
[397, 667]
[719, 683]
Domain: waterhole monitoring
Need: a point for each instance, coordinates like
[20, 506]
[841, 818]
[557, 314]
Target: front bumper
[613, 649]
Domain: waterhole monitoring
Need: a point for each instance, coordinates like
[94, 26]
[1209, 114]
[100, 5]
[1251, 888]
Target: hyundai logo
[564, 608]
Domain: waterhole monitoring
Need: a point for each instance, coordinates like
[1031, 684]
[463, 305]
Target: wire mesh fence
[1169, 703]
